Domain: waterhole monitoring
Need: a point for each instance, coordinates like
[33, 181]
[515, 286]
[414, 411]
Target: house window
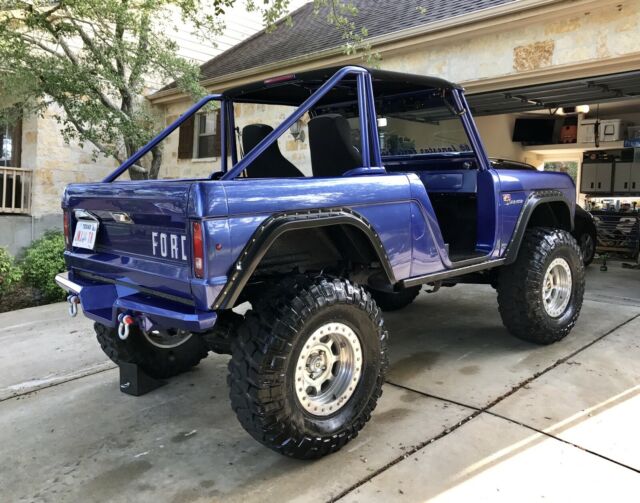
[208, 135]
[200, 137]
[10, 144]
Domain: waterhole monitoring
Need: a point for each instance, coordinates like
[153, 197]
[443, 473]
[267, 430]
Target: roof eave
[485, 19]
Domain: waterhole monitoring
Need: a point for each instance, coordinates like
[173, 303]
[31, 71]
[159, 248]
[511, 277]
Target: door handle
[633, 185]
[626, 184]
[599, 185]
[592, 185]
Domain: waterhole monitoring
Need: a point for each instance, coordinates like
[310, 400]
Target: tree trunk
[137, 171]
[156, 162]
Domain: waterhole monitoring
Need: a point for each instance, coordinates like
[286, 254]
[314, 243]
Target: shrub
[10, 274]
[43, 260]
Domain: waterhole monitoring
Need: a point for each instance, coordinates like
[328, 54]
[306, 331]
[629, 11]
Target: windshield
[423, 123]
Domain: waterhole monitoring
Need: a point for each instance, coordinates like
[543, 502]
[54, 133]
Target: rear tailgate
[143, 235]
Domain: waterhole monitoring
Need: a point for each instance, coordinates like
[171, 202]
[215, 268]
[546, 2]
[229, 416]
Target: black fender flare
[535, 199]
[276, 225]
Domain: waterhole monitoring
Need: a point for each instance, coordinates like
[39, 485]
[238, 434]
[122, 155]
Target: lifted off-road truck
[401, 194]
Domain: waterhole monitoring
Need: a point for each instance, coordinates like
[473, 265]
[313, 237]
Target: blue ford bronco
[400, 195]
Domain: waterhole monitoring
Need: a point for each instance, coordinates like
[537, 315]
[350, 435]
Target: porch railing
[15, 190]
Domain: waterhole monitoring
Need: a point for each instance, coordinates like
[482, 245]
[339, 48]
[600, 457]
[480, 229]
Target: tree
[93, 58]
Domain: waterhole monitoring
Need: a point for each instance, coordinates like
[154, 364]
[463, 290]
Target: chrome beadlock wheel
[556, 287]
[328, 369]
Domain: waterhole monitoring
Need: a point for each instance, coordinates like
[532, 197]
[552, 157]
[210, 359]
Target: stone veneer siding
[586, 35]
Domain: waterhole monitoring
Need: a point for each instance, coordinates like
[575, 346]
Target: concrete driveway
[468, 412]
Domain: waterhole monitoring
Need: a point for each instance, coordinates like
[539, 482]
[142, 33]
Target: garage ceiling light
[580, 109]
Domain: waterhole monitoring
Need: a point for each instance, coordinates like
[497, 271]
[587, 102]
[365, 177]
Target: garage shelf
[570, 148]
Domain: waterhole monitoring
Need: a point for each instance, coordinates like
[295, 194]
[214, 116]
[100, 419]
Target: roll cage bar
[370, 145]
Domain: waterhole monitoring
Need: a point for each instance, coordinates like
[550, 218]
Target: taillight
[198, 250]
[66, 222]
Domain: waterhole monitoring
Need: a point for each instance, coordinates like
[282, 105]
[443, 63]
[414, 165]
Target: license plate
[85, 235]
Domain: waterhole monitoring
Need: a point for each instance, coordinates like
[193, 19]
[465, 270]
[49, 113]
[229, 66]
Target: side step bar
[451, 273]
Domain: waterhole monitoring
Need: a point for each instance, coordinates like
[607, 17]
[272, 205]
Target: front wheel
[307, 368]
[540, 294]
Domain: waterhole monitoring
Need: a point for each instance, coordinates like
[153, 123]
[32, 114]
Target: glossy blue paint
[373, 123]
[252, 201]
[429, 251]
[364, 123]
[103, 302]
[511, 205]
[146, 266]
[487, 182]
[230, 115]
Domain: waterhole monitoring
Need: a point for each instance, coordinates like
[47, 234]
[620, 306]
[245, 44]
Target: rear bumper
[66, 284]
[103, 302]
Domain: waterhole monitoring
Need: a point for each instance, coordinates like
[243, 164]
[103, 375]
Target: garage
[585, 127]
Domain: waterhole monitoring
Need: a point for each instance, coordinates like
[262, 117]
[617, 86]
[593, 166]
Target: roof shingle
[309, 31]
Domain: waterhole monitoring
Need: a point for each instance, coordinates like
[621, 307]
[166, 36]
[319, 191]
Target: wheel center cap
[316, 364]
[329, 370]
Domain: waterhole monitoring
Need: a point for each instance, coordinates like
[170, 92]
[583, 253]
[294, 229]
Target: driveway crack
[477, 411]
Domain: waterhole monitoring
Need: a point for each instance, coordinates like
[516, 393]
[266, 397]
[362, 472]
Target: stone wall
[18, 231]
[586, 35]
[54, 164]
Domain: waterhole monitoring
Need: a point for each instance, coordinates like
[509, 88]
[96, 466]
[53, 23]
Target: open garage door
[604, 161]
[602, 89]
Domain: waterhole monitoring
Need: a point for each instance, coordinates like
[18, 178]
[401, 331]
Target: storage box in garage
[633, 132]
[609, 130]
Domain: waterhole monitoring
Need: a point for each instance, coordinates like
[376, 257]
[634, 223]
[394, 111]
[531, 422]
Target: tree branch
[141, 53]
[88, 134]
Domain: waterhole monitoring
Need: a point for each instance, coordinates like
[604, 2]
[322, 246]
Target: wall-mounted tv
[534, 131]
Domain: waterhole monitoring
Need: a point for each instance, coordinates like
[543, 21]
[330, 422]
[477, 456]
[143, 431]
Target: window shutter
[217, 144]
[16, 144]
[185, 140]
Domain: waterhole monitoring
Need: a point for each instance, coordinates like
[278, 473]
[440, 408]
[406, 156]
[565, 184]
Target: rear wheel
[394, 301]
[307, 368]
[540, 295]
[161, 354]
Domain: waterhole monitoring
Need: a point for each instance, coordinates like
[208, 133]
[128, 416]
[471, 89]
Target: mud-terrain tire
[587, 243]
[158, 362]
[276, 350]
[540, 294]
[394, 301]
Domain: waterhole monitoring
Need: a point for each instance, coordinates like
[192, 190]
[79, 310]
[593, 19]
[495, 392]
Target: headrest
[254, 134]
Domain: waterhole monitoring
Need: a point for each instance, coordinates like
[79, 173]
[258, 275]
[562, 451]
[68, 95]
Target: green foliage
[42, 261]
[340, 14]
[10, 274]
[93, 60]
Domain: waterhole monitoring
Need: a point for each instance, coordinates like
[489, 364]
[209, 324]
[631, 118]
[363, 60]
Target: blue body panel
[144, 266]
